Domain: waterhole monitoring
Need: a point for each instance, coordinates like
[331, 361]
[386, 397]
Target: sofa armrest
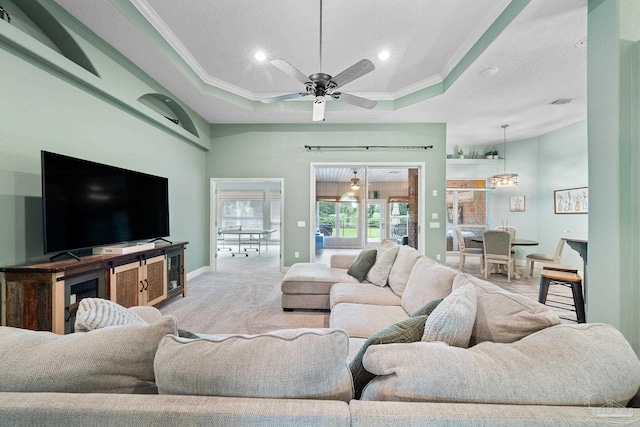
[342, 260]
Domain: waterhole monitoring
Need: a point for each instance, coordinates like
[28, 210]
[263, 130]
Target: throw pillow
[405, 331]
[379, 273]
[452, 320]
[106, 360]
[503, 316]
[291, 363]
[96, 313]
[186, 334]
[428, 308]
[362, 264]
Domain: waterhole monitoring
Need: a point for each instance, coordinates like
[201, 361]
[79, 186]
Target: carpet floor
[243, 296]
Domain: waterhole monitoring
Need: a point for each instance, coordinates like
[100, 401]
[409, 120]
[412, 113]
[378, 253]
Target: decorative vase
[462, 156]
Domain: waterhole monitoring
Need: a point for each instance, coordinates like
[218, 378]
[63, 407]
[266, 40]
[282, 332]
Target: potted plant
[488, 155]
[460, 152]
[495, 155]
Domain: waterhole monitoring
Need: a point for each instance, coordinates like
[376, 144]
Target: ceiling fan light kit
[355, 182]
[505, 179]
[321, 84]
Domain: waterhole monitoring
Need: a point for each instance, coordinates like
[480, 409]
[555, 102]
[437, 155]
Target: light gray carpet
[242, 296]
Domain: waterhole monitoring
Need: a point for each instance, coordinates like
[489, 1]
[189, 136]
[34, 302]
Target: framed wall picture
[516, 203]
[571, 201]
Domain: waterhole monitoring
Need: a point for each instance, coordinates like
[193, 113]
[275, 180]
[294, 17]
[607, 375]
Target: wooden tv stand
[45, 296]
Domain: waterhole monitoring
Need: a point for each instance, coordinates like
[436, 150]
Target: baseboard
[195, 273]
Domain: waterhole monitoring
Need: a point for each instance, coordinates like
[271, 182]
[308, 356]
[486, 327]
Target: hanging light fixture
[505, 179]
[355, 182]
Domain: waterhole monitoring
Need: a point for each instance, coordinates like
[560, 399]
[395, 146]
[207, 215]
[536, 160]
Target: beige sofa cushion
[291, 363]
[379, 273]
[562, 365]
[401, 269]
[313, 278]
[108, 360]
[364, 320]
[428, 281]
[503, 316]
[362, 293]
[452, 320]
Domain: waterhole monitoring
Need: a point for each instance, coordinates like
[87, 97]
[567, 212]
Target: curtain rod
[366, 147]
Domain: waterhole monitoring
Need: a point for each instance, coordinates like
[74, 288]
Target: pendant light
[505, 179]
[355, 182]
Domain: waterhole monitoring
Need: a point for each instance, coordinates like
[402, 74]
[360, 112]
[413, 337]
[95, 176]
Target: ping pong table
[253, 237]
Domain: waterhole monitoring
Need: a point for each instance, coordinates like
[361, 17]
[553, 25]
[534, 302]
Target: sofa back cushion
[401, 269]
[427, 281]
[291, 363]
[503, 316]
[108, 360]
[562, 365]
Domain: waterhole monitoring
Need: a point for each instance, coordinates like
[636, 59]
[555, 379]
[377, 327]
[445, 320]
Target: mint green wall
[613, 70]
[49, 103]
[277, 151]
[549, 162]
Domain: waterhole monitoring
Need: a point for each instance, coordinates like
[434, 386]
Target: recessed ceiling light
[384, 55]
[488, 72]
[260, 56]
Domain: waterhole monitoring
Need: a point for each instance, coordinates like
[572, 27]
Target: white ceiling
[194, 48]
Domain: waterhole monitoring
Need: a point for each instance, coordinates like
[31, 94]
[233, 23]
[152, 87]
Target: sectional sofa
[510, 362]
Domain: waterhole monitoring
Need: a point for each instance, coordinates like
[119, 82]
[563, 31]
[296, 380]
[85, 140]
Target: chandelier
[355, 182]
[505, 179]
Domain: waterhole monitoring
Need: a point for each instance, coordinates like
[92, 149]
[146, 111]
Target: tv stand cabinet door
[126, 284]
[155, 280]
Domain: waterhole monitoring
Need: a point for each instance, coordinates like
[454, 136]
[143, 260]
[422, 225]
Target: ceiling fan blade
[318, 109]
[284, 97]
[354, 100]
[291, 70]
[358, 69]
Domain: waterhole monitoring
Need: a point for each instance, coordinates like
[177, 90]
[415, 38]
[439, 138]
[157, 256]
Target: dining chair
[544, 259]
[465, 252]
[497, 250]
[513, 231]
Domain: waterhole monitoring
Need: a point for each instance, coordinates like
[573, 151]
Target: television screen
[87, 204]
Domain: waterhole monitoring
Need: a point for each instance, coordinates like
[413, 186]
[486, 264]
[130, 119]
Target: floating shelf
[475, 161]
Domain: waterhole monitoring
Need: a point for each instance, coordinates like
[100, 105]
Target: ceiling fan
[321, 85]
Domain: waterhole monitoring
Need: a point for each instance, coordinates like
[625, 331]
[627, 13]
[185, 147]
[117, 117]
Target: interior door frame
[213, 216]
[312, 191]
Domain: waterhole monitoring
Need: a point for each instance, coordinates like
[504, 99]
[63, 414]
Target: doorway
[246, 204]
[359, 205]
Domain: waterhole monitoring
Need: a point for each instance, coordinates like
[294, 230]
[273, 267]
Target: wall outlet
[434, 193]
[438, 257]
[296, 254]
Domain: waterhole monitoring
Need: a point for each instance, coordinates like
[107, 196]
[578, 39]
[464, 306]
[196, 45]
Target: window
[243, 208]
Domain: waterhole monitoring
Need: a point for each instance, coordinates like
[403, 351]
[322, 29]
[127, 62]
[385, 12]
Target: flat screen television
[87, 204]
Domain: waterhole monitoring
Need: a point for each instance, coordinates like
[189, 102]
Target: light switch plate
[301, 224]
[434, 225]
[434, 215]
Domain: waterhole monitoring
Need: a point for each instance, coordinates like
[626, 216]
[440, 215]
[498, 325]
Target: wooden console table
[45, 296]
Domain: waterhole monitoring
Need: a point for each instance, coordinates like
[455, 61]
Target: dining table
[514, 242]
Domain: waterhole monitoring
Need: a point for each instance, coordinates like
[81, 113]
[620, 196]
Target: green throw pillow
[361, 266]
[186, 334]
[428, 308]
[405, 331]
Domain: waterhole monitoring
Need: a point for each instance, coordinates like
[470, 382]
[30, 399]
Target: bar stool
[568, 279]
